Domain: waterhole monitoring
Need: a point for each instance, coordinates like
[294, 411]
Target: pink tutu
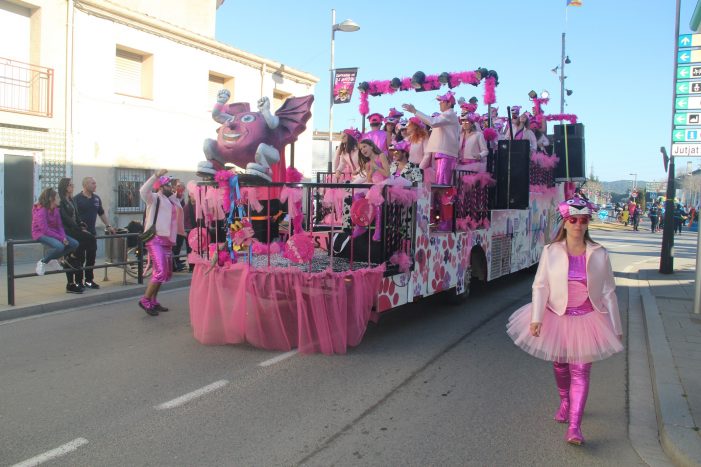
[565, 339]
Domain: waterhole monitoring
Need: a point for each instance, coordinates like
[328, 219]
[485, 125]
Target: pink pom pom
[293, 175]
[402, 260]
[490, 134]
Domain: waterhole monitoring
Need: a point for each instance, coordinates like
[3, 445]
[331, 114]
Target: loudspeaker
[510, 170]
[571, 159]
[573, 131]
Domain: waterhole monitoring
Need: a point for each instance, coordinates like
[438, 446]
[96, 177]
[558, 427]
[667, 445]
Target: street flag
[344, 82]
[574, 2]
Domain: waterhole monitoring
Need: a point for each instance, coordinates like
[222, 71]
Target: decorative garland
[569, 117]
[422, 82]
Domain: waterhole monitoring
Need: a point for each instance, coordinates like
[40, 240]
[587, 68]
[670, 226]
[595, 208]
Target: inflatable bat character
[253, 140]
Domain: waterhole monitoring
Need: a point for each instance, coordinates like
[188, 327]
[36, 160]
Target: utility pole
[562, 77]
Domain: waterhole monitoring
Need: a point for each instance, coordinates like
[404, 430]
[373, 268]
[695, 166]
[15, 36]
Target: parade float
[277, 267]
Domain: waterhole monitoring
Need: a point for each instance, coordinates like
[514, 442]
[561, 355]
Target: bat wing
[294, 115]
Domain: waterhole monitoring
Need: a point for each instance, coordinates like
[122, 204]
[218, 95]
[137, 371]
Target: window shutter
[215, 84]
[128, 68]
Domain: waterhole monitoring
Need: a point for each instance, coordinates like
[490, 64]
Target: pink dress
[582, 335]
[377, 177]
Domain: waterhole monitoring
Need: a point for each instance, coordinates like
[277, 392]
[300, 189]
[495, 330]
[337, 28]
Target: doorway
[19, 191]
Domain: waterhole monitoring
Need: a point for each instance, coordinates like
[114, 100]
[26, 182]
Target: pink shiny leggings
[444, 169]
[160, 249]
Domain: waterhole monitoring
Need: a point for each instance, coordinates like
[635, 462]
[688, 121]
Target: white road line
[279, 358]
[192, 395]
[54, 453]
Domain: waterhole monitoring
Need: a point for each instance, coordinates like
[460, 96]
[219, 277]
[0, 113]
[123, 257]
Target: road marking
[54, 453]
[279, 358]
[192, 395]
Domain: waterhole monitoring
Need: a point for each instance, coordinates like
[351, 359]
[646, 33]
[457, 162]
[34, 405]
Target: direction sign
[690, 118]
[687, 103]
[687, 134]
[688, 87]
[689, 40]
[689, 56]
[689, 71]
[686, 149]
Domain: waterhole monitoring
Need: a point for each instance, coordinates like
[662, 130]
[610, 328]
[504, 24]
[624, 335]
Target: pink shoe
[147, 306]
[574, 436]
[579, 389]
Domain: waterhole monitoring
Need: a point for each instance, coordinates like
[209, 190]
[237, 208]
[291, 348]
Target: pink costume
[379, 137]
[574, 298]
[169, 224]
[525, 133]
[472, 154]
[377, 177]
[347, 164]
[419, 155]
[443, 142]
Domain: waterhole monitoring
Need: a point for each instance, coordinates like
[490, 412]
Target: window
[128, 183]
[133, 73]
[216, 83]
[279, 98]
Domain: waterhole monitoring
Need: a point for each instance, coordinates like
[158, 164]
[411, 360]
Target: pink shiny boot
[562, 380]
[377, 236]
[579, 389]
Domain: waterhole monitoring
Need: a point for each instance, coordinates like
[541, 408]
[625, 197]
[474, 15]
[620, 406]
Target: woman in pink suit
[347, 156]
[573, 319]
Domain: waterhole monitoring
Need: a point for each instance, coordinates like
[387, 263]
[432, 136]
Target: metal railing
[26, 88]
[11, 276]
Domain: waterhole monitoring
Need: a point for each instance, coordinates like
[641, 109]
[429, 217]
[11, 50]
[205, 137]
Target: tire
[133, 269]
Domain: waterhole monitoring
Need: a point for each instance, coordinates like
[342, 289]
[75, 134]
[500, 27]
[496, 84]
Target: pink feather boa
[543, 160]
[467, 223]
[490, 96]
[569, 117]
[374, 195]
[333, 197]
[364, 107]
[478, 179]
[293, 175]
[405, 197]
[265, 249]
[402, 260]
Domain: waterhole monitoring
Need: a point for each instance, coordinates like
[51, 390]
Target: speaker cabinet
[573, 131]
[571, 155]
[510, 169]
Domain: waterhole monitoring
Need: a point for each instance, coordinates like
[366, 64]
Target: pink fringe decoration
[569, 117]
[222, 178]
[402, 260]
[364, 107]
[293, 175]
[333, 197]
[490, 134]
[374, 195]
[478, 179]
[490, 96]
[543, 160]
[293, 196]
[250, 195]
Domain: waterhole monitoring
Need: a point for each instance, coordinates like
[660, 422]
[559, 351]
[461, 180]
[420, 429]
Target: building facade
[114, 90]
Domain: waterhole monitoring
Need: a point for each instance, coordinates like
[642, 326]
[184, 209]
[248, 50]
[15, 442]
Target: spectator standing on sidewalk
[89, 208]
[48, 229]
[76, 229]
[164, 212]
[654, 213]
[679, 218]
[573, 319]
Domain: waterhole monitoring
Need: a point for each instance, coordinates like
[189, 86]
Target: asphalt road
[429, 385]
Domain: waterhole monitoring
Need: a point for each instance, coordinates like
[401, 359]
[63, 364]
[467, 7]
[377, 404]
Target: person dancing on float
[445, 133]
[346, 162]
[573, 319]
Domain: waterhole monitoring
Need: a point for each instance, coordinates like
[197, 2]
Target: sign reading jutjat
[343, 84]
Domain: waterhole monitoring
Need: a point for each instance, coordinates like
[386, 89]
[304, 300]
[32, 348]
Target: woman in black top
[77, 229]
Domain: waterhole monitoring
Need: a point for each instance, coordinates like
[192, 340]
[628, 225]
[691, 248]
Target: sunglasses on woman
[580, 220]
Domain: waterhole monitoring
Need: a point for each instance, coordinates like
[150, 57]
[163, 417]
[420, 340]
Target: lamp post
[345, 26]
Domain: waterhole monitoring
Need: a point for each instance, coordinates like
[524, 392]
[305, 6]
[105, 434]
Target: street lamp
[345, 26]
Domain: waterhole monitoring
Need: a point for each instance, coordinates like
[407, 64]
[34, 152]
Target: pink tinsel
[478, 179]
[569, 117]
[490, 134]
[293, 175]
[364, 107]
[402, 260]
[374, 195]
[543, 160]
[489, 94]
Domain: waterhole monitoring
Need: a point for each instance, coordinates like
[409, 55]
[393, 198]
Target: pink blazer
[445, 132]
[165, 211]
[550, 284]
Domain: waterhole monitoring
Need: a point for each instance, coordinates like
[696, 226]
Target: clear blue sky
[622, 54]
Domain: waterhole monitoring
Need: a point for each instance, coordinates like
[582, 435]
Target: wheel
[133, 269]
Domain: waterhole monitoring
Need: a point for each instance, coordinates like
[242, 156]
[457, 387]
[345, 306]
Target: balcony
[26, 89]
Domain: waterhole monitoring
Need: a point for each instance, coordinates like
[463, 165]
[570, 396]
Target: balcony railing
[26, 88]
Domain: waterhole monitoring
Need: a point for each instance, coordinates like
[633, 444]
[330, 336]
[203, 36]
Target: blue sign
[603, 214]
[684, 56]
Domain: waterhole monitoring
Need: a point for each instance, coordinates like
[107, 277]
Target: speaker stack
[569, 148]
[510, 169]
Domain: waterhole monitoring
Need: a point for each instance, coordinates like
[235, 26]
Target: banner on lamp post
[343, 84]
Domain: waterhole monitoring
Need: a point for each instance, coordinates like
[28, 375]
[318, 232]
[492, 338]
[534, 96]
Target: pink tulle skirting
[565, 339]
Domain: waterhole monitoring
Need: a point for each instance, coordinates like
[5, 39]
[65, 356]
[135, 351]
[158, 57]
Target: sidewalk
[43, 294]
[674, 351]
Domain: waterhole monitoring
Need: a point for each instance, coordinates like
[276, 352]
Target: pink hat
[400, 146]
[162, 180]
[417, 121]
[515, 110]
[394, 116]
[448, 97]
[471, 117]
[375, 119]
[353, 133]
[575, 207]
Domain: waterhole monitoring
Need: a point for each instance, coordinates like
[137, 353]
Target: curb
[678, 437]
[24, 311]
